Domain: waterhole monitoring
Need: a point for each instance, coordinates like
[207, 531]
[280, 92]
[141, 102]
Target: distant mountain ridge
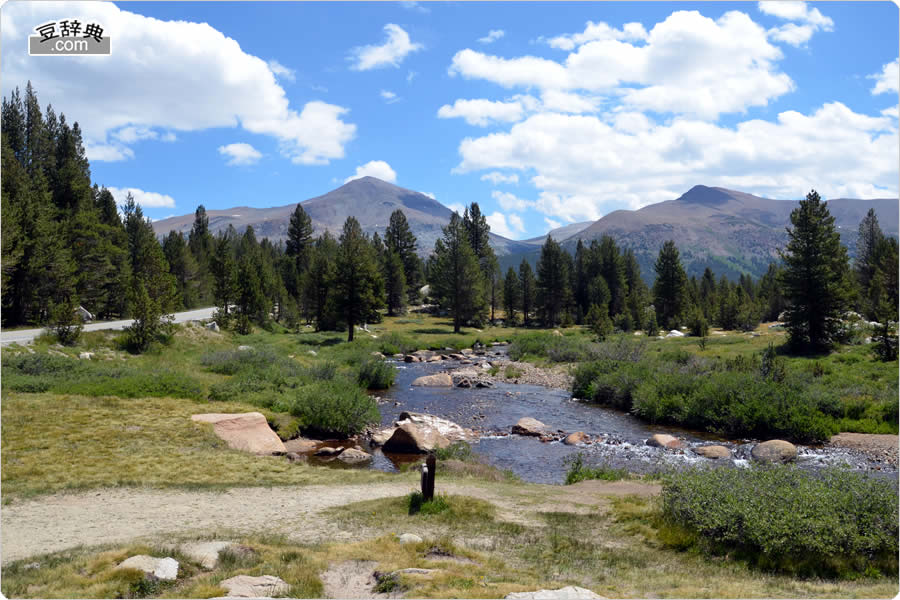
[369, 199]
[730, 231]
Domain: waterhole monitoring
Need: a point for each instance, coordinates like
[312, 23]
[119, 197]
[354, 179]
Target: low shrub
[337, 407]
[455, 451]
[513, 372]
[396, 343]
[50, 373]
[417, 505]
[578, 471]
[375, 374]
[835, 522]
[555, 348]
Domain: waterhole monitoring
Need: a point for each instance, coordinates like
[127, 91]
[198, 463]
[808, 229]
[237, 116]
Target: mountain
[560, 233]
[369, 199]
[729, 231]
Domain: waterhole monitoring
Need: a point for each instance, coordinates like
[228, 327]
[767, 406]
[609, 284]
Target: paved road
[25, 336]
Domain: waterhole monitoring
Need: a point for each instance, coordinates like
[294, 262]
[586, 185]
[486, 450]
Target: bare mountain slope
[369, 199]
[731, 232]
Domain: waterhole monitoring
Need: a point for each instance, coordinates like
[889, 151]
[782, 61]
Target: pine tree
[318, 283]
[299, 239]
[358, 281]
[394, 282]
[816, 276]
[528, 287]
[183, 267]
[225, 277]
[870, 235]
[456, 277]
[400, 239]
[670, 287]
[612, 268]
[202, 247]
[638, 294]
[512, 295]
[553, 294]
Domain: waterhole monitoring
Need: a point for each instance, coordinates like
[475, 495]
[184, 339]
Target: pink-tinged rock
[248, 432]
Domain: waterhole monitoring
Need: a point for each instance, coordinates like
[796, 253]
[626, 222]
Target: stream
[492, 411]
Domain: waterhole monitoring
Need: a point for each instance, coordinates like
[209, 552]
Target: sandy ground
[61, 521]
[878, 446]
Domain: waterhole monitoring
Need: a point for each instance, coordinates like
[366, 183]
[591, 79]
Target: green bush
[555, 348]
[455, 451]
[835, 522]
[396, 343]
[330, 408]
[578, 471]
[57, 374]
[375, 374]
[417, 505]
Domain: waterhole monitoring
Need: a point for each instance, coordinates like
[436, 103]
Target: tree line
[65, 243]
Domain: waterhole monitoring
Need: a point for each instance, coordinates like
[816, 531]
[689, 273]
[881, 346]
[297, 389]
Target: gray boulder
[408, 438]
[436, 380]
[662, 440]
[264, 586]
[778, 451]
[713, 452]
[205, 553]
[529, 426]
[161, 568]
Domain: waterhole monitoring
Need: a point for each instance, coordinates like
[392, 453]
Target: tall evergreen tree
[553, 293]
[512, 295]
[870, 235]
[399, 238]
[358, 281]
[816, 276]
[670, 287]
[394, 282]
[456, 277]
[299, 239]
[318, 283]
[612, 268]
[529, 290]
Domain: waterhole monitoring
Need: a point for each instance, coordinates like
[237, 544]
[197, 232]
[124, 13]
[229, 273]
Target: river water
[493, 411]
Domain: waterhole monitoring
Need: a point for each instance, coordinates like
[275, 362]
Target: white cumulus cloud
[389, 96]
[390, 54]
[688, 64]
[375, 168]
[509, 226]
[483, 112]
[240, 154]
[496, 177]
[492, 36]
[181, 77]
[598, 31]
[145, 199]
[509, 201]
[282, 71]
[586, 165]
[888, 80]
[805, 20]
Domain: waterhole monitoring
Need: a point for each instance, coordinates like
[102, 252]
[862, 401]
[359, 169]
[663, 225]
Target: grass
[619, 549]
[578, 471]
[53, 443]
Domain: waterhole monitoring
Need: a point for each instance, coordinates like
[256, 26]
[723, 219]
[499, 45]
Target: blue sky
[544, 113]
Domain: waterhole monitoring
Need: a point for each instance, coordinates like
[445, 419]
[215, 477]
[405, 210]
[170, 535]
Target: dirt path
[62, 521]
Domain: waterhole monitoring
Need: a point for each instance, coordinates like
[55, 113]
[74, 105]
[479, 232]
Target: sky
[544, 113]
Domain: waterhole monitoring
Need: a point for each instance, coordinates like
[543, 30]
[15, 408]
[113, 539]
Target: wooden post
[428, 478]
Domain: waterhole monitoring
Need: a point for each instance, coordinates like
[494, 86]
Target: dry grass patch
[52, 443]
